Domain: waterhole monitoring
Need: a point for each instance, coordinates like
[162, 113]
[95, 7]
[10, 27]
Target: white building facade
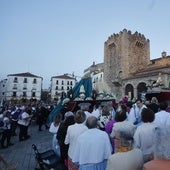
[95, 71]
[21, 86]
[61, 85]
[2, 90]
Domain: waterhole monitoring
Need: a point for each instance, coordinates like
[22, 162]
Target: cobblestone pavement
[22, 152]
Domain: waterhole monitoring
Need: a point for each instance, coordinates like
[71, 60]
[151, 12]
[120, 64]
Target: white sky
[53, 37]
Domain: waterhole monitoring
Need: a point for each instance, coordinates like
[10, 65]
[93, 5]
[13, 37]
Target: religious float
[84, 94]
[159, 90]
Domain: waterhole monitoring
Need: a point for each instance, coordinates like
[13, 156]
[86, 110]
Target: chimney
[163, 54]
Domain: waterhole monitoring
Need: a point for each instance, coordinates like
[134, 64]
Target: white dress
[55, 146]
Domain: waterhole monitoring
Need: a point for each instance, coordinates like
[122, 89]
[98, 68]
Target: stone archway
[129, 91]
[141, 89]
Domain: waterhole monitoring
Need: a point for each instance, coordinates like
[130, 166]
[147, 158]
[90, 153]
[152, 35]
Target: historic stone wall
[164, 61]
[124, 53]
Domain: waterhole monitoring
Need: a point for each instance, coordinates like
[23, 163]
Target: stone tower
[124, 54]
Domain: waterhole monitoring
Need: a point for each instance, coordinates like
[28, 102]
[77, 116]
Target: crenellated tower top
[136, 36]
[124, 54]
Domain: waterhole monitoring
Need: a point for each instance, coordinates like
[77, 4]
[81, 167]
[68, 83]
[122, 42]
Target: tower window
[139, 44]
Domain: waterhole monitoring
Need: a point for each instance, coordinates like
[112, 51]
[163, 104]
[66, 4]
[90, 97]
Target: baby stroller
[47, 160]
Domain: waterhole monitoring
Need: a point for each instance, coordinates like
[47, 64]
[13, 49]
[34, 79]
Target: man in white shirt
[135, 112]
[73, 132]
[23, 122]
[93, 147]
[162, 117]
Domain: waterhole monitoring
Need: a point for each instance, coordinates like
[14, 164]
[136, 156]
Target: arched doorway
[141, 90]
[129, 91]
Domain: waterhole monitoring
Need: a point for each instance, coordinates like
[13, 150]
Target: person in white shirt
[54, 129]
[23, 122]
[92, 147]
[73, 132]
[134, 115]
[145, 133]
[162, 117]
[85, 107]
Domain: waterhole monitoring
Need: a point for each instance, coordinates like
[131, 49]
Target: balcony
[117, 82]
[33, 89]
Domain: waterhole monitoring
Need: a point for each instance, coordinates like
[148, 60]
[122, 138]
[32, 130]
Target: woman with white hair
[125, 157]
[161, 159]
[144, 134]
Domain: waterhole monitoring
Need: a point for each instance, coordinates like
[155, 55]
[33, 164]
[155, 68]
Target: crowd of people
[115, 137]
[19, 116]
[125, 136]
